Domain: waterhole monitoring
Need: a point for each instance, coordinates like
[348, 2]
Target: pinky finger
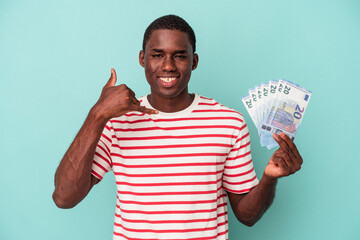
[148, 110]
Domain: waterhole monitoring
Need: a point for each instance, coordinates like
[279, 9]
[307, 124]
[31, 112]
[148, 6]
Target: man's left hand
[286, 160]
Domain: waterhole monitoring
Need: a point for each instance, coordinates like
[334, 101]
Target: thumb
[112, 79]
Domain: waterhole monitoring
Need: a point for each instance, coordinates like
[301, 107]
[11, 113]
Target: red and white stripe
[172, 170]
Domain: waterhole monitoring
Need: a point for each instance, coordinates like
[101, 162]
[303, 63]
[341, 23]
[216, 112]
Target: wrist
[98, 115]
[269, 180]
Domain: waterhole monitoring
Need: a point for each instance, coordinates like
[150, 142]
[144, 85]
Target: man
[176, 156]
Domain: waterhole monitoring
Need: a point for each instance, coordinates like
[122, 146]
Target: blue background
[55, 56]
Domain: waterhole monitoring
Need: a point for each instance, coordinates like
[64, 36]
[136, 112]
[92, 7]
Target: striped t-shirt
[172, 170]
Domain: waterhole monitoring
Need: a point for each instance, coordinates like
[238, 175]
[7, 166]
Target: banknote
[249, 105]
[288, 110]
[276, 106]
[254, 97]
[265, 100]
[276, 88]
[259, 104]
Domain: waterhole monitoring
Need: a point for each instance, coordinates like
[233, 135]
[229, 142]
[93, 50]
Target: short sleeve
[102, 162]
[239, 174]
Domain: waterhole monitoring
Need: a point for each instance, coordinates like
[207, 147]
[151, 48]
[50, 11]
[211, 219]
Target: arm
[249, 208]
[73, 178]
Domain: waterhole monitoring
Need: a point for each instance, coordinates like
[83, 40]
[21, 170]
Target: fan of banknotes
[277, 106]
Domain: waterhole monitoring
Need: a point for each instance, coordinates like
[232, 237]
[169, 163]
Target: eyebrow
[161, 51]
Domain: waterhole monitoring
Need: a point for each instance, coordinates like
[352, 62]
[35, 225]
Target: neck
[174, 104]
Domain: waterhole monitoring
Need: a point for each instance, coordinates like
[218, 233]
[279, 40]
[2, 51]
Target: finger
[283, 145]
[293, 166]
[277, 151]
[134, 101]
[112, 80]
[146, 110]
[278, 161]
[291, 145]
[131, 92]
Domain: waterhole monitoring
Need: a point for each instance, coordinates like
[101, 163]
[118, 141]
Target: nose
[168, 64]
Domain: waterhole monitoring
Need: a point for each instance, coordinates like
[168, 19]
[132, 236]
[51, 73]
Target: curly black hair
[171, 22]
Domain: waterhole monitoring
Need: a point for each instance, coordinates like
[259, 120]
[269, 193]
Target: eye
[156, 55]
[180, 56]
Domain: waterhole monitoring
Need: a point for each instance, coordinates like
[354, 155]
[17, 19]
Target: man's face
[168, 61]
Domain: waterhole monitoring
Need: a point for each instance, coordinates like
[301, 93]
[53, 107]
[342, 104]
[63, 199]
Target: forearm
[250, 208]
[286, 160]
[73, 176]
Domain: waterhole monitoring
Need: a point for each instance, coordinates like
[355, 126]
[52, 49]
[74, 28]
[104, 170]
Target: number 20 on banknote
[287, 109]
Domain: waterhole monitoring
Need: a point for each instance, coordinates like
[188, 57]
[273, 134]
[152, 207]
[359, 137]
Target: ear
[141, 58]
[195, 61]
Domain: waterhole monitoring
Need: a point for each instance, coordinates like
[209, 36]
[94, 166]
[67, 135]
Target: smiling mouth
[167, 79]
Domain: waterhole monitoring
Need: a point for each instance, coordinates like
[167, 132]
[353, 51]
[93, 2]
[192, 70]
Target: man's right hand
[73, 179]
[115, 101]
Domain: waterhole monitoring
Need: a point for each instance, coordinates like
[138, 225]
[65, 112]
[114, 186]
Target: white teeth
[167, 79]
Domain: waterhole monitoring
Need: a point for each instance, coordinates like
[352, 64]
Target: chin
[166, 93]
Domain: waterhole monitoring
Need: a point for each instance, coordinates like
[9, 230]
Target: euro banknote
[276, 106]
